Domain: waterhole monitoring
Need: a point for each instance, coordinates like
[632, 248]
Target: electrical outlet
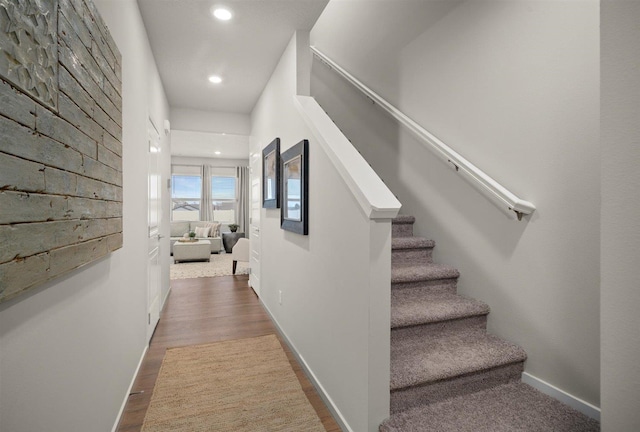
[280, 296]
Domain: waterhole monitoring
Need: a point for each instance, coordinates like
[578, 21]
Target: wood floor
[205, 310]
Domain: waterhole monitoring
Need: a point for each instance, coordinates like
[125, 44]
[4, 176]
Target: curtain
[242, 211]
[206, 206]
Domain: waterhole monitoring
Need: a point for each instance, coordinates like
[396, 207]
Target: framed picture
[271, 175]
[295, 188]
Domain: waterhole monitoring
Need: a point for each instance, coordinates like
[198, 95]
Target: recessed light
[215, 79]
[222, 14]
[217, 152]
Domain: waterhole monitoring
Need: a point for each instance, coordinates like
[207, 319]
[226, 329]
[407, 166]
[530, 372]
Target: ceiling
[189, 45]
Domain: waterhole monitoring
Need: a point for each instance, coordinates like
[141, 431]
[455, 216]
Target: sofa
[179, 228]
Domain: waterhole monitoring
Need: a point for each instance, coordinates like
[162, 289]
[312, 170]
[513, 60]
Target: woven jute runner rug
[232, 386]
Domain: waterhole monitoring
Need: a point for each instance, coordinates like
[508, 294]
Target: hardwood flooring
[206, 310]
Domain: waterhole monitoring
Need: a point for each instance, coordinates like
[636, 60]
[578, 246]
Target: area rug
[220, 265]
[239, 385]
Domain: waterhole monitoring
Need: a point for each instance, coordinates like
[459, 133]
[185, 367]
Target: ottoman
[192, 251]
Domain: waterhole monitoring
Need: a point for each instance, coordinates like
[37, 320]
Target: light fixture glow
[217, 152]
[215, 79]
[222, 14]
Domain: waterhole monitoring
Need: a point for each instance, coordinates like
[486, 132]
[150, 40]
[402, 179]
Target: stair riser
[404, 399]
[439, 285]
[401, 230]
[461, 324]
[407, 257]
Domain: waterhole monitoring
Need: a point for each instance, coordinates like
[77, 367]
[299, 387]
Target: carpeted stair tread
[505, 408]
[428, 271]
[403, 219]
[418, 359]
[442, 358]
[402, 226]
[413, 307]
[398, 243]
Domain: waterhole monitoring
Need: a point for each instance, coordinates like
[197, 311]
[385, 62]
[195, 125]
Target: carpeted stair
[447, 372]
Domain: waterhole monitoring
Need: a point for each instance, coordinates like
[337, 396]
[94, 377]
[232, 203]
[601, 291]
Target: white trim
[493, 190]
[578, 404]
[128, 393]
[374, 197]
[164, 301]
[337, 415]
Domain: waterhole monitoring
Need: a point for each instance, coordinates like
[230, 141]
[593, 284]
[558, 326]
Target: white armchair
[240, 252]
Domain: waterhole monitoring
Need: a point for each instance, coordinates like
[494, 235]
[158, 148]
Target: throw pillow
[214, 229]
[202, 232]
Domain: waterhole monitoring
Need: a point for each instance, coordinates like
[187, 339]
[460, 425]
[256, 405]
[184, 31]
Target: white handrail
[493, 190]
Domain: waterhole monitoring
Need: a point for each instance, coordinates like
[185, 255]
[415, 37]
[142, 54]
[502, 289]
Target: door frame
[154, 265]
[255, 203]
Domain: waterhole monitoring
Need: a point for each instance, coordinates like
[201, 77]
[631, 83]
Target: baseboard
[126, 396]
[337, 415]
[164, 301]
[578, 404]
[135, 374]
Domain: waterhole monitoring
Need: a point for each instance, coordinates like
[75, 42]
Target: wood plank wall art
[60, 141]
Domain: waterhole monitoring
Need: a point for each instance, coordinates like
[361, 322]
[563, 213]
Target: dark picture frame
[294, 172]
[271, 175]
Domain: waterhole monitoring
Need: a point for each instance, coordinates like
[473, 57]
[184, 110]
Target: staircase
[447, 372]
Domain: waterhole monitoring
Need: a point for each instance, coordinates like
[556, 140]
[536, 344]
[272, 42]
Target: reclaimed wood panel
[60, 141]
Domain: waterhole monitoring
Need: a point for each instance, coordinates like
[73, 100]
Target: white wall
[209, 144]
[620, 244]
[210, 121]
[324, 277]
[69, 349]
[184, 160]
[198, 133]
[513, 87]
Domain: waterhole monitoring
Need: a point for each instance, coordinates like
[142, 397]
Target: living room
[212, 146]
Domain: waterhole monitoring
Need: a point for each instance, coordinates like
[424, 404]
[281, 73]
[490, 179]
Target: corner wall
[324, 278]
[69, 349]
[620, 244]
[513, 87]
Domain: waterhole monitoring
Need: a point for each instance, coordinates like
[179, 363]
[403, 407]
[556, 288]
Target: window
[185, 197]
[224, 198]
[186, 193]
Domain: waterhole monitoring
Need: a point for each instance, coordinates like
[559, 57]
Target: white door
[154, 271]
[254, 228]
